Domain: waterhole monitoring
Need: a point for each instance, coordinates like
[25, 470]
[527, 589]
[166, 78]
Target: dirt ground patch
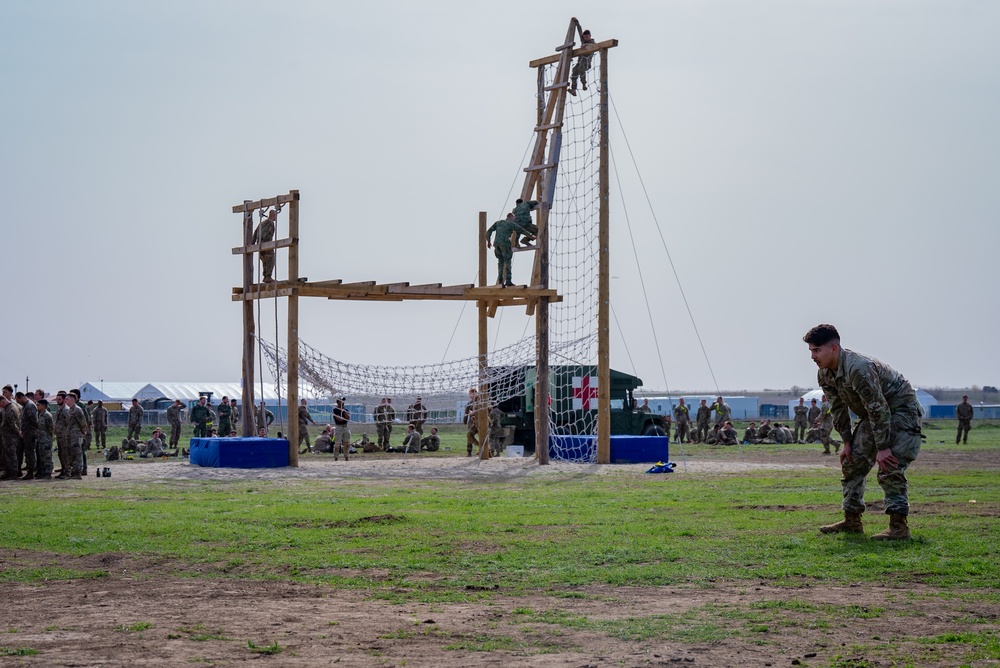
[158, 621]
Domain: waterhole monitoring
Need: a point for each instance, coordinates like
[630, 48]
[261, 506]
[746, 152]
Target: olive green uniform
[384, 415]
[99, 418]
[501, 247]
[801, 423]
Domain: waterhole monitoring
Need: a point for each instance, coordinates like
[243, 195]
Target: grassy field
[570, 536]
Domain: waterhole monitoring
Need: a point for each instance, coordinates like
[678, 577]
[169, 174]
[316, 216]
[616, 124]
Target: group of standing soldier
[28, 427]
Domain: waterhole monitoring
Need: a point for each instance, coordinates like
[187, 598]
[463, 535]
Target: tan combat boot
[850, 524]
[898, 530]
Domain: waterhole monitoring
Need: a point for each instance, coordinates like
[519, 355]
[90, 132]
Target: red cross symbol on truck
[584, 390]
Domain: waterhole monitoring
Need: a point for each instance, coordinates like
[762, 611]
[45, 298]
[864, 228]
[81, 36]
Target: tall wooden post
[293, 331]
[604, 284]
[482, 413]
[248, 329]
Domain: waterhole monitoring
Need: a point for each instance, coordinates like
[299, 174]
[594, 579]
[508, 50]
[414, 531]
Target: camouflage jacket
[504, 228]
[814, 413]
[681, 414]
[800, 413]
[872, 390]
[522, 212]
[99, 418]
[384, 414]
[304, 417]
[722, 412]
[10, 421]
[200, 414]
[704, 415]
[62, 415]
[46, 427]
[826, 417]
[226, 414]
[29, 418]
[963, 411]
[76, 422]
[135, 416]
[264, 232]
[174, 414]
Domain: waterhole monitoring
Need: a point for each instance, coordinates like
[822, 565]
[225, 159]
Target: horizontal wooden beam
[267, 245]
[371, 291]
[582, 51]
[261, 203]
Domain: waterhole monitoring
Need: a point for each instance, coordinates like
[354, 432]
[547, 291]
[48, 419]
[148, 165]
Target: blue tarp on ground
[240, 453]
[624, 449]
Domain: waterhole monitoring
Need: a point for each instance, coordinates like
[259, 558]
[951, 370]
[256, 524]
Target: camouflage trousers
[133, 431]
[701, 432]
[74, 455]
[681, 432]
[579, 71]
[101, 437]
[472, 434]
[504, 256]
[904, 444]
[267, 259]
[824, 438]
[200, 429]
[10, 463]
[384, 431]
[963, 431]
[303, 434]
[87, 440]
[175, 434]
[43, 455]
[801, 426]
[226, 426]
[28, 450]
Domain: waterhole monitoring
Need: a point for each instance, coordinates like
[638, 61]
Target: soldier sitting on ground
[812, 436]
[154, 446]
[411, 443]
[324, 442]
[750, 435]
[715, 435]
[728, 434]
[431, 443]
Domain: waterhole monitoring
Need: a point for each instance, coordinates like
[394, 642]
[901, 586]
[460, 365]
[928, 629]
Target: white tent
[118, 391]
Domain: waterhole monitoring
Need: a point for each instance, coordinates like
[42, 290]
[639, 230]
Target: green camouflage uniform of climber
[582, 64]
[887, 434]
[501, 246]
[265, 232]
[522, 216]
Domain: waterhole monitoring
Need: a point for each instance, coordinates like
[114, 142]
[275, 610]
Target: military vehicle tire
[653, 430]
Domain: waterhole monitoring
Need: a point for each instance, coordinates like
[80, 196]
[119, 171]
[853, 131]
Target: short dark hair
[43, 402]
[820, 335]
[19, 395]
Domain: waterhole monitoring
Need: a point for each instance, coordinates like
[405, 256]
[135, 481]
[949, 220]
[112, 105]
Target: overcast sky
[807, 162]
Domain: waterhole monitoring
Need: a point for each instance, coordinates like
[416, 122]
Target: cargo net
[573, 273]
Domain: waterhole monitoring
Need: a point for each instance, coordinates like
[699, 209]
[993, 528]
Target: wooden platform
[517, 295]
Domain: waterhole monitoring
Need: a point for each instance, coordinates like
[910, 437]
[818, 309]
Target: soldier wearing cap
[416, 414]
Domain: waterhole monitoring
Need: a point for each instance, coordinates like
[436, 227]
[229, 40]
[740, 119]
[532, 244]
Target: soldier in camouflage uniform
[764, 431]
[62, 440]
[76, 427]
[682, 418]
[85, 444]
[384, 415]
[29, 434]
[814, 412]
[582, 64]
[964, 414]
[88, 410]
[522, 216]
[265, 232]
[728, 435]
[99, 418]
[431, 443]
[134, 420]
[750, 435]
[501, 247]
[801, 422]
[264, 418]
[469, 418]
[723, 412]
[174, 420]
[10, 436]
[887, 434]
[226, 419]
[200, 415]
[702, 419]
[826, 426]
[496, 429]
[304, 419]
[43, 441]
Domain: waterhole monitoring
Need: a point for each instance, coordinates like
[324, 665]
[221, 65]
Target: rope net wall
[573, 273]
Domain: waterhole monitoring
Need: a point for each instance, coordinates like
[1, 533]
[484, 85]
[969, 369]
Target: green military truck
[573, 405]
